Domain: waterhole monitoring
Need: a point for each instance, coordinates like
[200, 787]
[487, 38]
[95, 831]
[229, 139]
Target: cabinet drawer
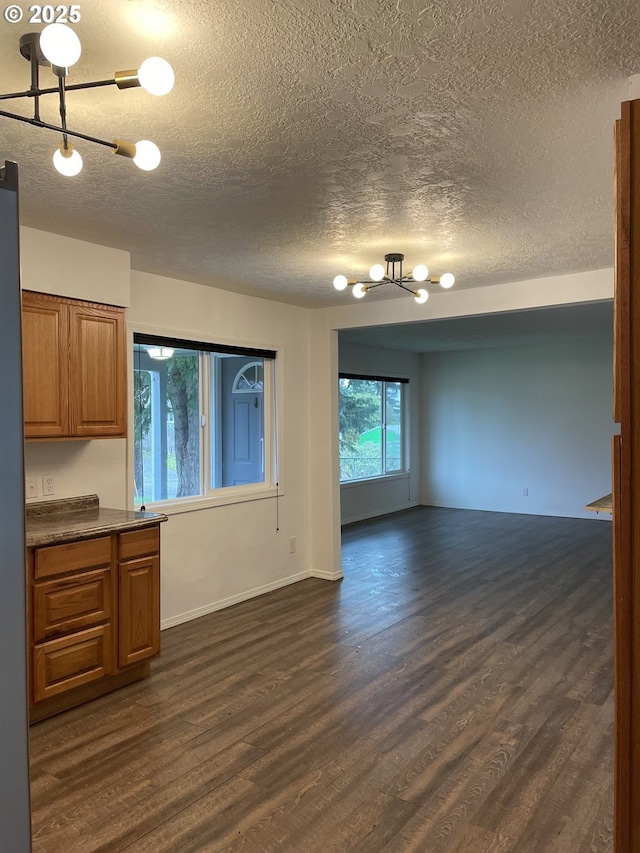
[71, 557]
[140, 543]
[68, 604]
[69, 662]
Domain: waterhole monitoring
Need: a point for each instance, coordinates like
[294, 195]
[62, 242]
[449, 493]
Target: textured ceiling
[308, 138]
[586, 322]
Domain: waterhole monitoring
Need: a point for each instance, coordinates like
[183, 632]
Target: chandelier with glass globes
[58, 46]
[393, 274]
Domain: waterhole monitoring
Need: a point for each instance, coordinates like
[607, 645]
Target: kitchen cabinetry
[94, 616]
[139, 596]
[74, 367]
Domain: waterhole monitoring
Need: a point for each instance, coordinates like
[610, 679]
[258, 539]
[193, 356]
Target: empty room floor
[452, 693]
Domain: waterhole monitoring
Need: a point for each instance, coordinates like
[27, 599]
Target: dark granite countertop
[55, 522]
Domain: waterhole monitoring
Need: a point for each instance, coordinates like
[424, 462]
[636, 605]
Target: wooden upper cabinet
[97, 371]
[45, 359]
[74, 357]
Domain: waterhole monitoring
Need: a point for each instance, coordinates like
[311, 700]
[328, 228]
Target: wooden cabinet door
[139, 610]
[45, 359]
[71, 661]
[97, 371]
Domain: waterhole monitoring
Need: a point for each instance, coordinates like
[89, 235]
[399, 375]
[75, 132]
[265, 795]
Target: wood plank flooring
[452, 693]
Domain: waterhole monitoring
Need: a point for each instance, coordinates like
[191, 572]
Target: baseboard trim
[180, 618]
[326, 576]
[591, 516]
[379, 512]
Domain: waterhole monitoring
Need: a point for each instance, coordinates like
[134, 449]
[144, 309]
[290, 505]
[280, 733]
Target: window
[371, 427]
[203, 416]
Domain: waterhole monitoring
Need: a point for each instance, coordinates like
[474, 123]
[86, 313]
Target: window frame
[404, 469]
[272, 486]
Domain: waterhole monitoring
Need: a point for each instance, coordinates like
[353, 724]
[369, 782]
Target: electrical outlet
[292, 544]
[48, 484]
[31, 487]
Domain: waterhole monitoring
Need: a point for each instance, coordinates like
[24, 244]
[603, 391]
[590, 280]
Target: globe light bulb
[156, 76]
[420, 273]
[376, 273]
[340, 282]
[60, 45]
[147, 155]
[421, 296]
[447, 280]
[359, 290]
[67, 161]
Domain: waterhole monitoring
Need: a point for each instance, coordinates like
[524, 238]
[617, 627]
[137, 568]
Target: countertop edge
[42, 538]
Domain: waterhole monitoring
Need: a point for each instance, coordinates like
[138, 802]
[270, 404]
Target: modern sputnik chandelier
[394, 275]
[59, 46]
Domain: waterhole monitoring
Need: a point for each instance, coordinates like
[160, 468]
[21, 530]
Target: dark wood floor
[453, 692]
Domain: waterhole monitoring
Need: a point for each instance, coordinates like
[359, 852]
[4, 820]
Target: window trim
[147, 339]
[273, 485]
[405, 470]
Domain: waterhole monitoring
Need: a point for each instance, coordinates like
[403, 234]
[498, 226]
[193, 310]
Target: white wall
[377, 497]
[95, 467]
[218, 555]
[497, 421]
[68, 267]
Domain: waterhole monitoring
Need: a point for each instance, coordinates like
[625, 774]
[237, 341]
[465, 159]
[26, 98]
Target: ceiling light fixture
[59, 46]
[160, 353]
[394, 275]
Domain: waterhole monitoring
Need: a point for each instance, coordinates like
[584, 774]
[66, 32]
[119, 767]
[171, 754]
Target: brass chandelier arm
[408, 289]
[44, 124]
[371, 285]
[398, 282]
[35, 93]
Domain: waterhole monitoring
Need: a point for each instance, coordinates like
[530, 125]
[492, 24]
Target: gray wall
[498, 421]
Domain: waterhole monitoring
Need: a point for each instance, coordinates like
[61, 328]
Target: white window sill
[221, 497]
[366, 481]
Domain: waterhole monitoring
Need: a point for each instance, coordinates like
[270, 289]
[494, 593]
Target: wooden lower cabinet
[139, 604]
[94, 609]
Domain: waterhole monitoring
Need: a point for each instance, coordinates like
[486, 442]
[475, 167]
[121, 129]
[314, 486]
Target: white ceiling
[308, 137]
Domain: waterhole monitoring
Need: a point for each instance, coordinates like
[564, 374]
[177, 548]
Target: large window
[371, 427]
[203, 418]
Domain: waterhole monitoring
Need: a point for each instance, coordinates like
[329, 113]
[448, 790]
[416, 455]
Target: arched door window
[249, 379]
